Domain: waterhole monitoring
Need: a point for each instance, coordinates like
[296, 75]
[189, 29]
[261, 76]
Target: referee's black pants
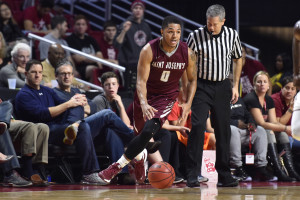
[215, 97]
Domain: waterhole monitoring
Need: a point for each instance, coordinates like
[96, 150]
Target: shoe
[178, 180]
[110, 172]
[193, 184]
[125, 179]
[202, 179]
[228, 182]
[92, 179]
[139, 168]
[152, 147]
[37, 181]
[7, 158]
[70, 134]
[241, 175]
[15, 180]
[263, 175]
[3, 127]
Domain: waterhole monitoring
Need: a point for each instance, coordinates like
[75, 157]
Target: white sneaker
[92, 179]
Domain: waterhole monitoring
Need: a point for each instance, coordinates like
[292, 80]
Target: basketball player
[296, 58]
[163, 61]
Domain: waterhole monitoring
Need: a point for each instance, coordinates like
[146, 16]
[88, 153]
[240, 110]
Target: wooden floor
[209, 191]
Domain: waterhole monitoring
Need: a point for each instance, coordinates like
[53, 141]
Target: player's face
[262, 84]
[279, 63]
[34, 76]
[55, 55]
[171, 35]
[110, 32]
[80, 27]
[111, 87]
[63, 28]
[214, 24]
[65, 76]
[289, 91]
[5, 12]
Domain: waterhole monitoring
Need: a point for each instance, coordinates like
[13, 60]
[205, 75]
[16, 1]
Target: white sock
[123, 161]
[140, 155]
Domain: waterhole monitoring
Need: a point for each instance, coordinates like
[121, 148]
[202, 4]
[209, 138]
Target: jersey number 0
[165, 76]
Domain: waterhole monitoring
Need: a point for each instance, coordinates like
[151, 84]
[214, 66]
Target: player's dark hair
[109, 23]
[286, 80]
[170, 20]
[46, 3]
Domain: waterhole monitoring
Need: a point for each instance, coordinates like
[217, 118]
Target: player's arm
[190, 82]
[296, 54]
[143, 71]
[237, 69]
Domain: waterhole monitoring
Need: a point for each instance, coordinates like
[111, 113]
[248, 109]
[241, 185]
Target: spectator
[132, 37]
[16, 70]
[261, 106]
[81, 41]
[4, 59]
[105, 124]
[8, 26]
[37, 103]
[283, 67]
[55, 55]
[110, 98]
[59, 28]
[11, 176]
[243, 129]
[37, 18]
[250, 67]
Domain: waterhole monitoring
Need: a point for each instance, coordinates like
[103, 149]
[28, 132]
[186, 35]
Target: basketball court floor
[209, 191]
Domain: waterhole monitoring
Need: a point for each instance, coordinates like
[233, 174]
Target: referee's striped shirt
[215, 53]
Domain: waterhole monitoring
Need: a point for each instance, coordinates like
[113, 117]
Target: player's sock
[123, 161]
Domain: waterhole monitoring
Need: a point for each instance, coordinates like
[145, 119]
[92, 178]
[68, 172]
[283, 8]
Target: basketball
[161, 175]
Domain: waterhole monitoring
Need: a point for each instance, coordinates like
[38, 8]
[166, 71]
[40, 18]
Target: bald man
[55, 54]
[296, 58]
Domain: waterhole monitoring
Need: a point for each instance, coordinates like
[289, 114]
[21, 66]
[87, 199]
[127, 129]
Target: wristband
[290, 110]
[285, 128]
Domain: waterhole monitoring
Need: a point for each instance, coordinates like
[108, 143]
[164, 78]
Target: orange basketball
[161, 175]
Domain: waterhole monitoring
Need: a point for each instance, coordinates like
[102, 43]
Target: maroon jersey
[163, 83]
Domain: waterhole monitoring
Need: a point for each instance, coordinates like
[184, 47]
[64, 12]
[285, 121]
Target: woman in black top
[8, 26]
[262, 108]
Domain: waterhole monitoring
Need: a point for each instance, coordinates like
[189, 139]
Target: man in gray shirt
[21, 54]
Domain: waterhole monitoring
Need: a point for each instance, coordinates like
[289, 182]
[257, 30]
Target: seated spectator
[16, 70]
[81, 41]
[37, 18]
[29, 147]
[261, 106]
[8, 26]
[59, 28]
[283, 67]
[243, 129]
[110, 98]
[4, 59]
[104, 124]
[37, 103]
[55, 55]
[250, 67]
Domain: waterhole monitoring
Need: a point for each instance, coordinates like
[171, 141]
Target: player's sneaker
[70, 134]
[110, 172]
[140, 169]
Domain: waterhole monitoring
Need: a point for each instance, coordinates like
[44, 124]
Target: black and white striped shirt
[215, 53]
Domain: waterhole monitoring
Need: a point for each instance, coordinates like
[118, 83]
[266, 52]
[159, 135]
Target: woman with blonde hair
[4, 59]
[262, 108]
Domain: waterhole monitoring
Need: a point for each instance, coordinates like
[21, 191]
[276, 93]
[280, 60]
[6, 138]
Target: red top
[280, 105]
[108, 50]
[39, 23]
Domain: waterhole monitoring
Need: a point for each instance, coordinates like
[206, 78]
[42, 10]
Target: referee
[215, 46]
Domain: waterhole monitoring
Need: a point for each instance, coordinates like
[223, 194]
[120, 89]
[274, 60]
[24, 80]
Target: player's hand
[183, 130]
[186, 109]
[77, 100]
[251, 127]
[242, 124]
[235, 95]
[148, 111]
[288, 131]
[117, 98]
